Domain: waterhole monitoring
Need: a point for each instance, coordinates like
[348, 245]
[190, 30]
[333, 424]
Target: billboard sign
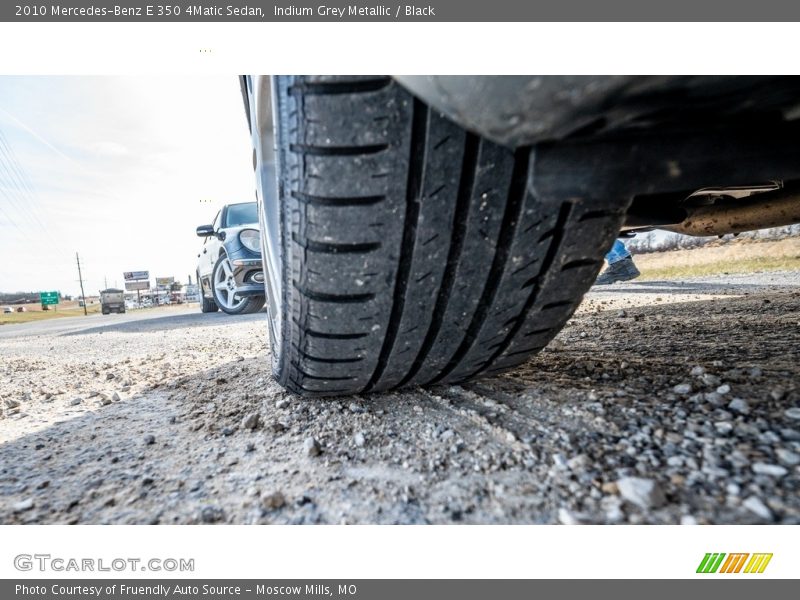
[164, 281]
[132, 286]
[134, 275]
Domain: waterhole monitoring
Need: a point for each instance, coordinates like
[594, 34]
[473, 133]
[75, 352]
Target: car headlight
[251, 239]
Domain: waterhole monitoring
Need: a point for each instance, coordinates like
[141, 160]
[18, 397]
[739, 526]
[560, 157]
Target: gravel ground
[660, 402]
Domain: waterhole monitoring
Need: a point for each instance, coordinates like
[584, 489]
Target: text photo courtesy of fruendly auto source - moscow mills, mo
[373, 299]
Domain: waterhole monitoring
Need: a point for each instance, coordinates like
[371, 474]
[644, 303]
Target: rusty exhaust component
[759, 211]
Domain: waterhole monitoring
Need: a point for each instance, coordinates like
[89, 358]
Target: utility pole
[105, 281]
[80, 278]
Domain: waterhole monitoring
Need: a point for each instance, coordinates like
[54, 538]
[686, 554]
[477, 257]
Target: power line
[11, 189]
[15, 163]
[22, 187]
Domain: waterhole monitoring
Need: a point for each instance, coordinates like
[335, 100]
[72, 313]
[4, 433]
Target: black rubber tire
[414, 252]
[251, 305]
[256, 304]
[207, 305]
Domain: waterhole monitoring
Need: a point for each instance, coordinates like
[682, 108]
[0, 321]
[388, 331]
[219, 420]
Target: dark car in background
[229, 268]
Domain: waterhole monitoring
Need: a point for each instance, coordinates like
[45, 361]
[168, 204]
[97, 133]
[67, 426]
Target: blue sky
[119, 169]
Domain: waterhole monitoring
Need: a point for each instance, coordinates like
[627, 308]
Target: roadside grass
[93, 309]
[740, 258]
[752, 265]
[42, 315]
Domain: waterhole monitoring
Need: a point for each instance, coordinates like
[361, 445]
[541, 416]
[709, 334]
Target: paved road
[184, 316]
[660, 402]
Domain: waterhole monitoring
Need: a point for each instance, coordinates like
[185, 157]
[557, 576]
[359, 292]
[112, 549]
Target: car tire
[412, 251]
[243, 306]
[207, 305]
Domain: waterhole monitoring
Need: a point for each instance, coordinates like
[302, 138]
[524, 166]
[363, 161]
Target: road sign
[134, 275]
[132, 286]
[47, 298]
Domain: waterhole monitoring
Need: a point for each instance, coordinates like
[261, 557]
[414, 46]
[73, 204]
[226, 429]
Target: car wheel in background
[412, 251]
[223, 288]
[207, 305]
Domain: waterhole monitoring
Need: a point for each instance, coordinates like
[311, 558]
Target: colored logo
[742, 562]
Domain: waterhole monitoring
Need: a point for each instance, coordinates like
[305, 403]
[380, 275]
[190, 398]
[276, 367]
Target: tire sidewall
[277, 313]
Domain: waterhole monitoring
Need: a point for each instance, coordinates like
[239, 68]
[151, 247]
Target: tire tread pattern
[417, 253]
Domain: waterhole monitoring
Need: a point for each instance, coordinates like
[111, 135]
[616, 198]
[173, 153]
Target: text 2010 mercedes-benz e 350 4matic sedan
[422, 230]
[229, 270]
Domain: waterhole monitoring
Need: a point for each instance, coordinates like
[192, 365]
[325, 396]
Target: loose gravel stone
[23, 506]
[644, 493]
[767, 469]
[792, 413]
[787, 457]
[578, 463]
[212, 514]
[740, 406]
[278, 426]
[311, 447]
[566, 517]
[149, 439]
[274, 501]
[777, 394]
[757, 507]
[610, 487]
[251, 421]
[723, 427]
[683, 388]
